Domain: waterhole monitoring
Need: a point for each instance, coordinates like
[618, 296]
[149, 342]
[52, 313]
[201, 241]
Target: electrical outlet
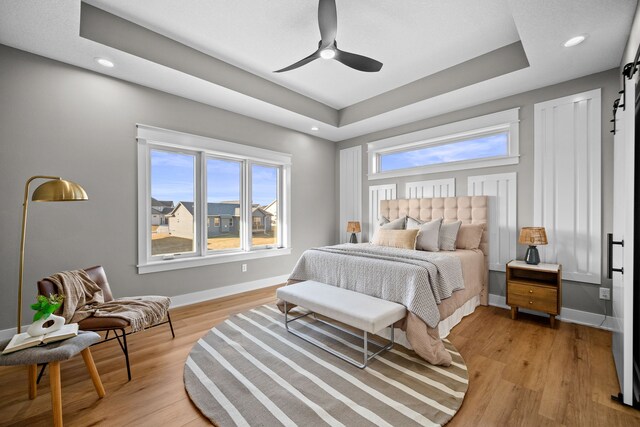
[244, 269]
[605, 293]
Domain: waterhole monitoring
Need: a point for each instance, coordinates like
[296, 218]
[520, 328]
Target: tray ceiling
[421, 43]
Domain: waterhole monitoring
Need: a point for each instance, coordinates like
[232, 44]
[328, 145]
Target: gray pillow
[396, 224]
[428, 238]
[448, 235]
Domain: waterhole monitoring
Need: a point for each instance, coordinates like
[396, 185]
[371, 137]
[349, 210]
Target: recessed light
[104, 62]
[327, 53]
[574, 41]
[315, 128]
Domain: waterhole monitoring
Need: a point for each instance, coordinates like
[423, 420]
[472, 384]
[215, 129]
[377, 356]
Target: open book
[24, 340]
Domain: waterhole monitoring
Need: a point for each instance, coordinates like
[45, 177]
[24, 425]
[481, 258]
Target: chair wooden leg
[33, 386]
[93, 371]
[56, 393]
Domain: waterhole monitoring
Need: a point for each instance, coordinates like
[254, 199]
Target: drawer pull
[530, 302]
[530, 291]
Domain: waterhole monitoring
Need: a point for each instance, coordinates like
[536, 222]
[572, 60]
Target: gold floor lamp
[54, 190]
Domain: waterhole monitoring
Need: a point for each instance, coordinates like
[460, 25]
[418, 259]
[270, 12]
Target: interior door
[623, 231]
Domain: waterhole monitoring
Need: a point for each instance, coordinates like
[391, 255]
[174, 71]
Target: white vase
[36, 328]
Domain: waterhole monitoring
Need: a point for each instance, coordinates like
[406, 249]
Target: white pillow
[428, 238]
[448, 235]
[396, 224]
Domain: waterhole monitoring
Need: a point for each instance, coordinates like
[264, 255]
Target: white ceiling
[413, 38]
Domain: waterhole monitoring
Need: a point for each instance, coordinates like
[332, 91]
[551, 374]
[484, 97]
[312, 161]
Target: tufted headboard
[468, 209]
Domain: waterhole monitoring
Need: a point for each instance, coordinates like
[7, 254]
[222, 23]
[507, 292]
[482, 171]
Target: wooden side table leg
[56, 393]
[552, 318]
[514, 313]
[33, 386]
[93, 371]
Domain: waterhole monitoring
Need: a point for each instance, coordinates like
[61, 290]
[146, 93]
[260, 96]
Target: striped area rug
[248, 371]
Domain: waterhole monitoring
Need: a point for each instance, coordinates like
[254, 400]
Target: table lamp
[55, 189]
[532, 236]
[353, 227]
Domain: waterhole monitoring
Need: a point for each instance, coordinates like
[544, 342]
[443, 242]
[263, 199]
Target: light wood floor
[521, 373]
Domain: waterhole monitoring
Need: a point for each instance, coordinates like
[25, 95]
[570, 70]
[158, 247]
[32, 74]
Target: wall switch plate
[244, 270]
[605, 293]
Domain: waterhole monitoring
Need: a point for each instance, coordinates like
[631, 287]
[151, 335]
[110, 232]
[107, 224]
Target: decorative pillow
[396, 224]
[469, 236]
[428, 238]
[404, 239]
[448, 234]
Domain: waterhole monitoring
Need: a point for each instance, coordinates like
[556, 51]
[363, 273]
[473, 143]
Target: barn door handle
[610, 243]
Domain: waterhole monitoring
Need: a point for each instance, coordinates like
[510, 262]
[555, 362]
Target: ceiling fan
[328, 48]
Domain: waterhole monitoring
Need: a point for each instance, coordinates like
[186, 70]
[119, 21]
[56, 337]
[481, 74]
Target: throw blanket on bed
[418, 280]
[83, 298]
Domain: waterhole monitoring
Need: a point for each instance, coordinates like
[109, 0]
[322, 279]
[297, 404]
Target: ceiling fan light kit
[328, 47]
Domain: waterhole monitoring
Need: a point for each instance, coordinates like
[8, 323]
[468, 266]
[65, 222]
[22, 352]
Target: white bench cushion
[361, 311]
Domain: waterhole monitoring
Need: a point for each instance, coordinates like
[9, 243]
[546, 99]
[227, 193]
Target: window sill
[177, 264]
[447, 167]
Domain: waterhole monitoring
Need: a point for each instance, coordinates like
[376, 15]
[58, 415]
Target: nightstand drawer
[533, 297]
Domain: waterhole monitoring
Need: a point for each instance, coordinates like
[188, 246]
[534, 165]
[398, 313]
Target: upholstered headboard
[468, 209]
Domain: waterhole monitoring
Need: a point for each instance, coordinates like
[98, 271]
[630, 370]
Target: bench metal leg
[311, 340]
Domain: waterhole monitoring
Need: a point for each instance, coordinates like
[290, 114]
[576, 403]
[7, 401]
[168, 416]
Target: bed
[438, 288]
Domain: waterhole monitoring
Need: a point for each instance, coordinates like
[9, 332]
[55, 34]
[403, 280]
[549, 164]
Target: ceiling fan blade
[327, 21]
[314, 55]
[358, 62]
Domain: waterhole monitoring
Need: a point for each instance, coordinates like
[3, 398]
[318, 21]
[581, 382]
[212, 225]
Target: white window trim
[491, 123]
[148, 137]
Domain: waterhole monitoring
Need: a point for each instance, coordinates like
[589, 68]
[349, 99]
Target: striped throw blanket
[83, 298]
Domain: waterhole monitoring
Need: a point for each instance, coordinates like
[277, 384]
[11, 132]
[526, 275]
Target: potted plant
[45, 307]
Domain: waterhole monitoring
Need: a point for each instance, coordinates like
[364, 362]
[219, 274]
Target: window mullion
[279, 205]
[248, 203]
[201, 222]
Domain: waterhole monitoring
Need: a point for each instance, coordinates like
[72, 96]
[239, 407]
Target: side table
[535, 287]
[53, 354]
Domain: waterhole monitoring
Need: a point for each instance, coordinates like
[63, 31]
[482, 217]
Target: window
[490, 140]
[229, 201]
[478, 147]
[224, 179]
[173, 178]
[264, 194]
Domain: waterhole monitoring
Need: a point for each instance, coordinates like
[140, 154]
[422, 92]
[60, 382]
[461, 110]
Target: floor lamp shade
[55, 189]
[59, 190]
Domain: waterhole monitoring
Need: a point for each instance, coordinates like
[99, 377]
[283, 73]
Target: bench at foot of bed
[364, 312]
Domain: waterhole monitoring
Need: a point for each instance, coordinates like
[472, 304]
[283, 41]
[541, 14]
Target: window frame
[148, 138]
[504, 121]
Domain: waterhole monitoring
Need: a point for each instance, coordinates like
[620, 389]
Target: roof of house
[213, 209]
[270, 204]
[164, 203]
[254, 210]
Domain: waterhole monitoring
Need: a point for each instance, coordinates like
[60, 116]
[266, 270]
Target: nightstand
[534, 287]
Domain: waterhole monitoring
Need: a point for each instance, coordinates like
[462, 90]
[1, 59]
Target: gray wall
[56, 119]
[580, 296]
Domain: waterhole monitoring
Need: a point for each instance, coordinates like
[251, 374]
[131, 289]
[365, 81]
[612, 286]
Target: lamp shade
[353, 227]
[59, 190]
[533, 236]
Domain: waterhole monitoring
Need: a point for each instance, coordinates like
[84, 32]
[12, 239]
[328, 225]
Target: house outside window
[198, 179]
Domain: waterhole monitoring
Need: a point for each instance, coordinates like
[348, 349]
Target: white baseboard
[196, 297]
[209, 294]
[566, 314]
